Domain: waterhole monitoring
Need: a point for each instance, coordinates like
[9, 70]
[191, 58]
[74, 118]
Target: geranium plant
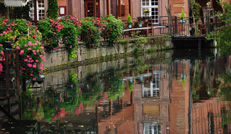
[51, 33]
[90, 30]
[3, 24]
[2, 57]
[11, 29]
[71, 34]
[113, 30]
[31, 56]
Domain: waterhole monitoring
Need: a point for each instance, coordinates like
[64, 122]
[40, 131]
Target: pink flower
[29, 48]
[17, 47]
[34, 79]
[21, 52]
[34, 66]
[1, 67]
[29, 65]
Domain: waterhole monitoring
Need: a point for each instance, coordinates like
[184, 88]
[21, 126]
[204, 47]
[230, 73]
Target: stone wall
[60, 57]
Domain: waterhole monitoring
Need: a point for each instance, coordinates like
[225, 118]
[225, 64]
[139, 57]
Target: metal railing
[186, 26]
[177, 26]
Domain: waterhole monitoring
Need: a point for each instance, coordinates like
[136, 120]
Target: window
[152, 6]
[151, 128]
[40, 10]
[156, 85]
[152, 88]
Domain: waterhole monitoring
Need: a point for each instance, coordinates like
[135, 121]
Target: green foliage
[224, 91]
[51, 33]
[129, 19]
[52, 11]
[130, 86]
[139, 43]
[71, 34]
[135, 34]
[35, 33]
[3, 23]
[113, 30]
[182, 15]
[222, 34]
[161, 39]
[31, 55]
[21, 25]
[90, 30]
[11, 29]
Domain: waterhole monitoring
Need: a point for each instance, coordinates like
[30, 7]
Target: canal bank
[58, 59]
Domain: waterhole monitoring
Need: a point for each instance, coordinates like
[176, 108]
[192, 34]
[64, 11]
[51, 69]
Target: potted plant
[182, 20]
[146, 12]
[208, 4]
[129, 21]
[140, 23]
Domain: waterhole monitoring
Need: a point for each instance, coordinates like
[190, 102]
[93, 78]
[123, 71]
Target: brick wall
[179, 5]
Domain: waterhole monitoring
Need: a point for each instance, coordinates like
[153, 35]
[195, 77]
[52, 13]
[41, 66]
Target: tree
[52, 11]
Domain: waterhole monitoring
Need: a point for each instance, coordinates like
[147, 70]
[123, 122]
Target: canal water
[174, 92]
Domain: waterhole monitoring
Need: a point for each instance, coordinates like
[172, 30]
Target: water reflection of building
[179, 106]
[151, 101]
[208, 117]
[162, 101]
[194, 114]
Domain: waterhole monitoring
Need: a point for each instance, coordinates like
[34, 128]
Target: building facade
[84, 8]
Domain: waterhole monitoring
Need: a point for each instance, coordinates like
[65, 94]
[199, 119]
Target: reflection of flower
[147, 11]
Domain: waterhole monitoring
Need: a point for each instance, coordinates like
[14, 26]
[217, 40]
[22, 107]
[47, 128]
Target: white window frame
[154, 87]
[38, 9]
[150, 7]
[152, 128]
